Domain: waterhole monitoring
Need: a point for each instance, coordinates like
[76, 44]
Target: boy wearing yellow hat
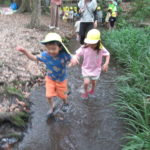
[55, 57]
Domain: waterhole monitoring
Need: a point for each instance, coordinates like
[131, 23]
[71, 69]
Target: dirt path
[89, 125]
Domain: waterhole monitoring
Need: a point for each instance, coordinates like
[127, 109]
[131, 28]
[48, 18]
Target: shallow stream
[88, 125]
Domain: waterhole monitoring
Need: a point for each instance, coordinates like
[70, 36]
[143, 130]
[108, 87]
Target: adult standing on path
[87, 9]
[54, 12]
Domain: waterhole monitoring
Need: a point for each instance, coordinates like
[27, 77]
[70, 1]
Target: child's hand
[105, 67]
[74, 61]
[21, 49]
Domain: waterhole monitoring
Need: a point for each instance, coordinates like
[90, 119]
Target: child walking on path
[92, 52]
[55, 58]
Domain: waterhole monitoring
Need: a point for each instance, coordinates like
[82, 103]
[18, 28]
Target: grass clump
[18, 119]
[13, 91]
[131, 48]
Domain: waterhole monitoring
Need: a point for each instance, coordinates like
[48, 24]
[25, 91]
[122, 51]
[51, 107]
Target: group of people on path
[91, 17]
[57, 57]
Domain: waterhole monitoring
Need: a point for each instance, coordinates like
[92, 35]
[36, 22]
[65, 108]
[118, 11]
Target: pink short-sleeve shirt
[92, 61]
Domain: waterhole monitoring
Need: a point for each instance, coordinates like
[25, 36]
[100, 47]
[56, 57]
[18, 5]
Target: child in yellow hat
[99, 14]
[92, 53]
[55, 57]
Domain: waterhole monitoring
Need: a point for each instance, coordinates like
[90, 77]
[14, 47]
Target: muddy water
[88, 125]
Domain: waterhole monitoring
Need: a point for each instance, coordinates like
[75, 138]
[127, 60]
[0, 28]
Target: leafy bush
[122, 22]
[131, 47]
[141, 9]
[6, 2]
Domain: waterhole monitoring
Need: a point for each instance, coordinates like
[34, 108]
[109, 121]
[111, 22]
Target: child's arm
[105, 66]
[75, 58]
[74, 61]
[25, 52]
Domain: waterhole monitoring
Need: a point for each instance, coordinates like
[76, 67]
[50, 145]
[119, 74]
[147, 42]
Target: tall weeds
[131, 47]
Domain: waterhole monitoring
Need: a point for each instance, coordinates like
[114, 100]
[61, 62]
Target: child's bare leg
[86, 84]
[65, 105]
[65, 101]
[52, 105]
[93, 82]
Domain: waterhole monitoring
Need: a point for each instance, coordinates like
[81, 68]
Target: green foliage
[11, 90]
[6, 2]
[141, 9]
[66, 41]
[20, 119]
[122, 22]
[131, 47]
[18, 137]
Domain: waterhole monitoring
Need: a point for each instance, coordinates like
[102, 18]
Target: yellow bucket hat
[71, 8]
[93, 36]
[98, 8]
[54, 37]
[114, 14]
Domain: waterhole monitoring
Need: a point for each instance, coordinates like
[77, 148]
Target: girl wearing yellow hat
[55, 57]
[92, 52]
[87, 10]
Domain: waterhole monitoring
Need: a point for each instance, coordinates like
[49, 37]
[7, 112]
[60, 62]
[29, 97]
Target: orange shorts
[55, 88]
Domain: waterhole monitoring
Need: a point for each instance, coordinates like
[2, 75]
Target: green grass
[11, 90]
[141, 9]
[5, 2]
[131, 47]
[18, 119]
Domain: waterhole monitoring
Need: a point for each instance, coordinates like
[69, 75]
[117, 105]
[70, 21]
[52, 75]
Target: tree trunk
[18, 2]
[36, 14]
[25, 6]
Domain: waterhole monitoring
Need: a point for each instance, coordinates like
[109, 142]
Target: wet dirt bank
[88, 125]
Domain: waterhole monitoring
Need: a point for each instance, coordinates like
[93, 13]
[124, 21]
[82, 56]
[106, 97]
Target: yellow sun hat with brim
[98, 8]
[71, 8]
[67, 14]
[64, 8]
[114, 14]
[54, 37]
[110, 8]
[93, 36]
[67, 8]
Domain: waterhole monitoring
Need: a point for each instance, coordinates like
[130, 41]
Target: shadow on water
[88, 125]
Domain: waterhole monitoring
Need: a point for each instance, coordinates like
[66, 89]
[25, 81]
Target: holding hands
[74, 61]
